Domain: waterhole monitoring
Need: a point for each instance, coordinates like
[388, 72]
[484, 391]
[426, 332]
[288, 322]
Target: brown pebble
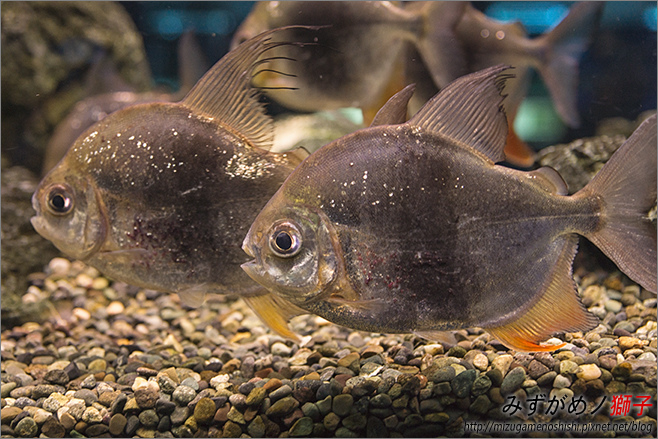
[117, 424]
[264, 373]
[67, 421]
[272, 384]
[348, 359]
[222, 413]
[7, 414]
[52, 428]
[204, 410]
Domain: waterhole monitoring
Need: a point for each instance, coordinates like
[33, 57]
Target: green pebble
[311, 410]
[462, 383]
[256, 396]
[456, 351]
[342, 404]
[356, 421]
[235, 416]
[480, 406]
[302, 427]
[481, 385]
[282, 407]
[257, 427]
[231, 429]
[439, 417]
[331, 421]
[345, 432]
[204, 410]
[26, 427]
[512, 381]
[375, 427]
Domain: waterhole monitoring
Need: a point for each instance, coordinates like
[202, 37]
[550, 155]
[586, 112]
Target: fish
[155, 194]
[112, 94]
[412, 227]
[382, 46]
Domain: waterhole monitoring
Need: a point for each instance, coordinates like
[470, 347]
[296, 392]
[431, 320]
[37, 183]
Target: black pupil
[58, 202]
[284, 241]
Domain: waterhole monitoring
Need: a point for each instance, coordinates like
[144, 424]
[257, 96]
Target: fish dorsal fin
[444, 337]
[225, 92]
[469, 111]
[549, 179]
[558, 309]
[394, 111]
[275, 312]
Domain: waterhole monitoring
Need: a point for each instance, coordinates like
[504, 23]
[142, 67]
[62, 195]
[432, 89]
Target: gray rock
[512, 381]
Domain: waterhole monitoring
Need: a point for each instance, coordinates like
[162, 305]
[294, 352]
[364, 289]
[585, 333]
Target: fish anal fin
[275, 312]
[444, 337]
[558, 309]
[550, 180]
[394, 110]
[469, 112]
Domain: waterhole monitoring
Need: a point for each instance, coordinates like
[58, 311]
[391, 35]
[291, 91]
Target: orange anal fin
[275, 312]
[510, 338]
[517, 152]
[558, 309]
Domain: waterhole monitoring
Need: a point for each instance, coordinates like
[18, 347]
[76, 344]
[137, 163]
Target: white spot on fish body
[484, 33]
[500, 34]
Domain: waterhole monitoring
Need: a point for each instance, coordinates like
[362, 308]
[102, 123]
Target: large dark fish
[155, 194]
[411, 227]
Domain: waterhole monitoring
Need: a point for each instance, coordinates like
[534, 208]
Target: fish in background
[159, 195]
[110, 94]
[412, 227]
[370, 50]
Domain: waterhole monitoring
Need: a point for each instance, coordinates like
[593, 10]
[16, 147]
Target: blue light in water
[537, 17]
[218, 22]
[169, 23]
[649, 17]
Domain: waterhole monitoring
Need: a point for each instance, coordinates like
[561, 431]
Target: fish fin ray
[558, 309]
[275, 312]
[469, 111]
[444, 337]
[394, 110]
[193, 296]
[627, 185]
[550, 180]
[565, 45]
[226, 93]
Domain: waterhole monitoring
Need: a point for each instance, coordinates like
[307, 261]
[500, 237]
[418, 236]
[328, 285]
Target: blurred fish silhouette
[108, 93]
[411, 227]
[370, 50]
[159, 195]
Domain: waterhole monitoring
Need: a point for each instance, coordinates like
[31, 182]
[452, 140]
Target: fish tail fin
[437, 42]
[563, 47]
[627, 187]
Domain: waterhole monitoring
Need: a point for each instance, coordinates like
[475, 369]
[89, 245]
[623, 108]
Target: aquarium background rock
[48, 48]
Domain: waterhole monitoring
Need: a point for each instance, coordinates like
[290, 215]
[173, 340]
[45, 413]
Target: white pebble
[589, 372]
[81, 314]
[480, 361]
[139, 383]
[115, 308]
[59, 266]
[280, 349]
[91, 415]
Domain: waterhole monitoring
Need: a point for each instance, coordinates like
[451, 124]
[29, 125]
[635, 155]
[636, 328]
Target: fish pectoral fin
[193, 296]
[275, 312]
[558, 309]
[443, 337]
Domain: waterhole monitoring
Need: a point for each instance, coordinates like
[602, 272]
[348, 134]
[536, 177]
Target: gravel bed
[116, 361]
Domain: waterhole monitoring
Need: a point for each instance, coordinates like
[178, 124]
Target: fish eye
[285, 240]
[60, 200]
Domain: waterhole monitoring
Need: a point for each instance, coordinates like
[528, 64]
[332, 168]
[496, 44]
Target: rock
[117, 424]
[146, 397]
[57, 376]
[462, 383]
[512, 381]
[256, 396]
[536, 369]
[91, 415]
[204, 411]
[589, 372]
[67, 421]
[302, 427]
[331, 421]
[561, 382]
[481, 362]
[7, 414]
[568, 367]
[626, 343]
[480, 406]
[502, 363]
[342, 404]
[52, 428]
[26, 427]
[282, 407]
[257, 427]
[183, 395]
